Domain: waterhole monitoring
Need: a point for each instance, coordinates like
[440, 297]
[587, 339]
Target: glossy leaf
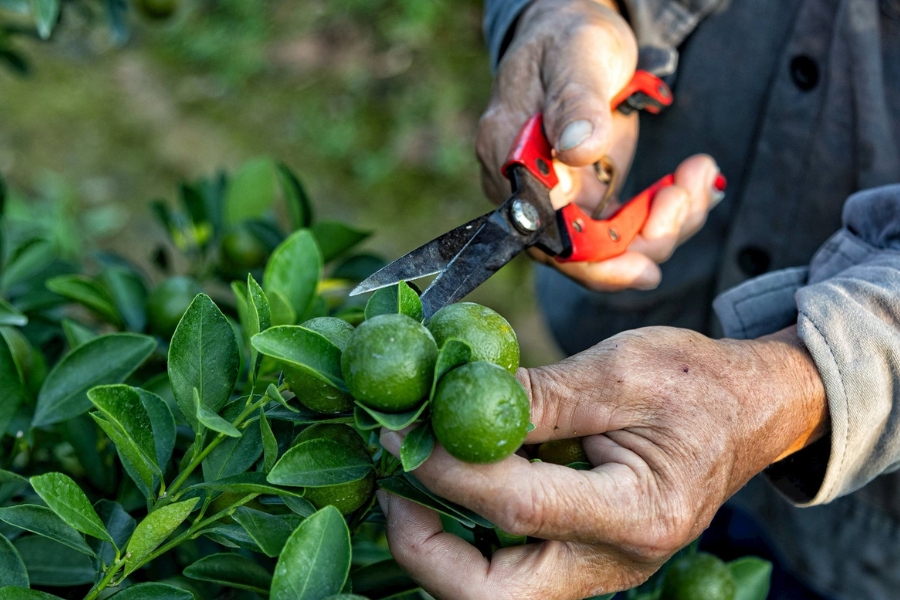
[52, 564]
[251, 191]
[298, 204]
[152, 591]
[232, 570]
[301, 415]
[27, 262]
[270, 444]
[335, 238]
[87, 292]
[128, 292]
[319, 463]
[395, 421]
[134, 461]
[162, 423]
[273, 393]
[44, 522]
[45, 13]
[302, 349]
[122, 406]
[153, 531]
[18, 593]
[11, 485]
[12, 569]
[204, 354]
[452, 354]
[14, 390]
[120, 526]
[76, 333]
[281, 310]
[259, 319]
[211, 420]
[383, 579]
[245, 483]
[293, 272]
[395, 299]
[300, 506]
[234, 455]
[70, 503]
[10, 315]
[753, 577]
[363, 420]
[270, 532]
[104, 360]
[417, 447]
[315, 561]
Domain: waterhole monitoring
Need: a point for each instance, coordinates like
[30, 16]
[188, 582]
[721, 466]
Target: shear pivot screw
[525, 216]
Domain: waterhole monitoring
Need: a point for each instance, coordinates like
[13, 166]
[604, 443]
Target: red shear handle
[594, 240]
[532, 150]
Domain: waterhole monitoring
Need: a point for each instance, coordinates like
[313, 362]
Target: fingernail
[715, 195]
[391, 441]
[383, 502]
[574, 134]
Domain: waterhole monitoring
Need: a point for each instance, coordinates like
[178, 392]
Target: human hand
[673, 422]
[568, 59]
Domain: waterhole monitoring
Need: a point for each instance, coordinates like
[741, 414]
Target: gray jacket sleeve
[847, 308]
[661, 24]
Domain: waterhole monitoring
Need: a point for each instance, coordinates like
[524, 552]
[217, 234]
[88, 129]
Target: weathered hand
[673, 422]
[568, 59]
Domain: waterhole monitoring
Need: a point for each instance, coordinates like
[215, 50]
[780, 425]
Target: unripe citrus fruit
[698, 577]
[346, 497]
[490, 335]
[562, 452]
[480, 413]
[168, 301]
[242, 251]
[389, 363]
[311, 391]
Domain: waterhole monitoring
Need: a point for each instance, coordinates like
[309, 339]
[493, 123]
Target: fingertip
[391, 441]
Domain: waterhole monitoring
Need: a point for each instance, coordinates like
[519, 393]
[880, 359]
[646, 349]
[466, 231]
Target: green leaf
[453, 353]
[66, 499]
[335, 238]
[120, 526]
[302, 349]
[395, 421]
[10, 315]
[273, 393]
[251, 191]
[12, 569]
[245, 483]
[346, 597]
[76, 333]
[162, 423]
[234, 455]
[52, 564]
[259, 318]
[300, 506]
[153, 531]
[213, 421]
[417, 447]
[363, 420]
[104, 360]
[395, 299]
[315, 561]
[14, 390]
[270, 532]
[87, 292]
[45, 13]
[232, 570]
[319, 463]
[44, 522]
[129, 295]
[383, 579]
[28, 261]
[407, 486]
[204, 354]
[270, 444]
[133, 460]
[298, 204]
[753, 577]
[18, 593]
[293, 272]
[152, 591]
[10, 485]
[121, 405]
[282, 311]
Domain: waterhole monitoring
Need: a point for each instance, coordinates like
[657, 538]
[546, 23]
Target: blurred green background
[374, 103]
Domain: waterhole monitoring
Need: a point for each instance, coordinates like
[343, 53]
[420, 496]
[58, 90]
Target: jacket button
[804, 72]
[753, 261]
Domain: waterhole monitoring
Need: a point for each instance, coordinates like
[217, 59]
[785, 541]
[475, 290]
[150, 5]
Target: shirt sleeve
[659, 24]
[847, 308]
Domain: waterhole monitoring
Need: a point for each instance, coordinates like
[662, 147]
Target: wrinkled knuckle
[522, 514]
[667, 537]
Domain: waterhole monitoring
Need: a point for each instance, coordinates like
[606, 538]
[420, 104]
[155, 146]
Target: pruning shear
[468, 255]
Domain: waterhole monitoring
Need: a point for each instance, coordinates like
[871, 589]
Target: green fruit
[157, 9]
[346, 497]
[242, 251]
[480, 413]
[389, 363]
[562, 452]
[490, 335]
[167, 303]
[701, 576]
[312, 392]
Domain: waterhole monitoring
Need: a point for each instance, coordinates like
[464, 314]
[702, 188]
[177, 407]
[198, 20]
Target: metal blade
[494, 245]
[428, 259]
